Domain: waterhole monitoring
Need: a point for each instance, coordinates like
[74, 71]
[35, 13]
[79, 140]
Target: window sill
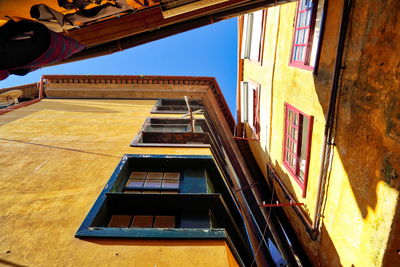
[255, 62]
[301, 66]
[153, 233]
[168, 145]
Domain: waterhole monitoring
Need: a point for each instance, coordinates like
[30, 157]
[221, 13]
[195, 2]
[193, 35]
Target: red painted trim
[20, 105]
[300, 65]
[310, 34]
[295, 172]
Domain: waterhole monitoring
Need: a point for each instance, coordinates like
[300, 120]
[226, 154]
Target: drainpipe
[331, 116]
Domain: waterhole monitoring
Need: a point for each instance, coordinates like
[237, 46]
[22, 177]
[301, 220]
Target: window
[252, 38]
[203, 207]
[152, 182]
[297, 142]
[306, 33]
[142, 221]
[176, 106]
[173, 132]
[250, 105]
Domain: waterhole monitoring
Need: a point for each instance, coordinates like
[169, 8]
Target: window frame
[305, 64]
[247, 37]
[137, 140]
[118, 180]
[248, 101]
[194, 103]
[145, 188]
[295, 172]
[196, 203]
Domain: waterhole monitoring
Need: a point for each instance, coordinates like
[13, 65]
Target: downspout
[331, 116]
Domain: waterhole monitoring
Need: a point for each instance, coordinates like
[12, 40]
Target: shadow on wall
[10, 263]
[152, 243]
[368, 126]
[32, 109]
[330, 256]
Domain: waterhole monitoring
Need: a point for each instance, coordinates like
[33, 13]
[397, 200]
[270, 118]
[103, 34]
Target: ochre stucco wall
[55, 158]
[279, 84]
[359, 221]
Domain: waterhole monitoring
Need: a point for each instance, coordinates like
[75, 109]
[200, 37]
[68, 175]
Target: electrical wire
[265, 229]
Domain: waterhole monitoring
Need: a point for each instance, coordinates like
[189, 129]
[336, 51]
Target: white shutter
[244, 101]
[246, 37]
[254, 53]
[250, 104]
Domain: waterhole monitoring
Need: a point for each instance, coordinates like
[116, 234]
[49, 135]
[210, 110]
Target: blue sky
[206, 51]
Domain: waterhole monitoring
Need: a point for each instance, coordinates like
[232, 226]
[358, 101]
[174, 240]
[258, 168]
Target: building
[131, 170]
[108, 26]
[318, 103]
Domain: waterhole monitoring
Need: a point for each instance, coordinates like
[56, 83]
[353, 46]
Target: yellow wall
[55, 158]
[359, 223]
[279, 84]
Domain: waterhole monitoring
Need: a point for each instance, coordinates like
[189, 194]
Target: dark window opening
[142, 221]
[177, 106]
[152, 182]
[193, 211]
[173, 132]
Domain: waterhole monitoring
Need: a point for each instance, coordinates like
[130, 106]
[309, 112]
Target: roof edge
[150, 79]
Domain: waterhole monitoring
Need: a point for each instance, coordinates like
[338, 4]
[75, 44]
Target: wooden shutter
[255, 45]
[247, 35]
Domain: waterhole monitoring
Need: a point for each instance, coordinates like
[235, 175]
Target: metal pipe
[330, 118]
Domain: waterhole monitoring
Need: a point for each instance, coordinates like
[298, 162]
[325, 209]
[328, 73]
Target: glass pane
[197, 129]
[152, 184]
[120, 221]
[301, 54]
[293, 132]
[164, 222]
[134, 183]
[172, 175]
[170, 184]
[155, 175]
[142, 221]
[139, 175]
[298, 56]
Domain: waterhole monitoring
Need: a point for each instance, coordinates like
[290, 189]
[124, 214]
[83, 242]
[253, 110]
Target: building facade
[129, 171]
[317, 101]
